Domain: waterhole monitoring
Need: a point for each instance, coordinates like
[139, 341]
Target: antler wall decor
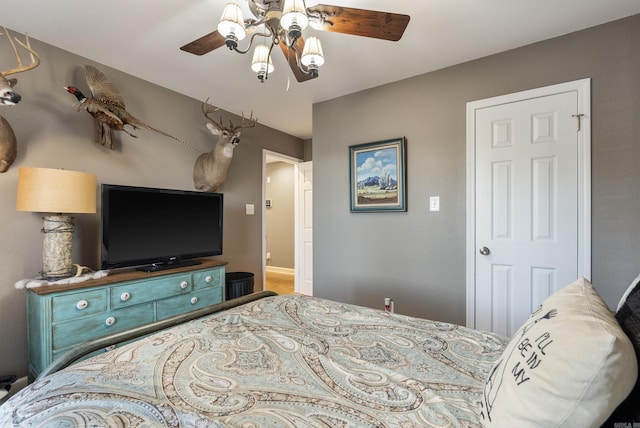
[210, 169]
[8, 143]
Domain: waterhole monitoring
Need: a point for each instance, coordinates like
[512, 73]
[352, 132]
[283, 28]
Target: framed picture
[377, 176]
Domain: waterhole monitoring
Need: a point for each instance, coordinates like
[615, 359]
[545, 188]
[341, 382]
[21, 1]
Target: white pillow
[569, 365]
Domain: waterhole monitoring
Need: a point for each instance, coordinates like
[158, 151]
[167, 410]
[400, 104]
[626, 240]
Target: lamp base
[57, 248]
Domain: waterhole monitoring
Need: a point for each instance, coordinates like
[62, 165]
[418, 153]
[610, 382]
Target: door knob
[485, 251]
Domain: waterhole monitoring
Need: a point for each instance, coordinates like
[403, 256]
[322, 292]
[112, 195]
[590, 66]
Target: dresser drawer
[208, 278]
[77, 331]
[183, 304]
[61, 317]
[74, 305]
[134, 293]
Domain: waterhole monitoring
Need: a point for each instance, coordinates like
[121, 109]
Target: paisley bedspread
[282, 361]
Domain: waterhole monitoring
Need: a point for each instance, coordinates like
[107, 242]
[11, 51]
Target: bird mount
[106, 106]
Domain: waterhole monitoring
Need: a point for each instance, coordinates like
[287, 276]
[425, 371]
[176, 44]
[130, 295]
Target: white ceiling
[143, 37]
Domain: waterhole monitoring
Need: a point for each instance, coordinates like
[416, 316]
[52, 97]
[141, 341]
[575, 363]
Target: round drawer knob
[208, 278]
[184, 284]
[110, 321]
[125, 296]
[194, 300]
[82, 304]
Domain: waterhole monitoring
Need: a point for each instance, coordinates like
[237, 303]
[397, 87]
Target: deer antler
[35, 59]
[250, 124]
[207, 109]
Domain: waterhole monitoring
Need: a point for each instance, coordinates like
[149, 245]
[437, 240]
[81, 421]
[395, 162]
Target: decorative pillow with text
[569, 365]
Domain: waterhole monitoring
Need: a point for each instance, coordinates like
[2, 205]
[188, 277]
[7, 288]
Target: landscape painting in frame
[377, 176]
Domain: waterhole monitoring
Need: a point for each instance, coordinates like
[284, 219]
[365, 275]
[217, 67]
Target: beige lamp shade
[294, 12]
[231, 22]
[312, 53]
[48, 190]
[262, 60]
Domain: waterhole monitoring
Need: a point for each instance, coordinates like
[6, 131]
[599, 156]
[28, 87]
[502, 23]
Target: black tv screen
[158, 228]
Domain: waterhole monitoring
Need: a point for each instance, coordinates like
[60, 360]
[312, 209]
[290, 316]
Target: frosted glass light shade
[312, 55]
[261, 60]
[294, 12]
[231, 22]
[48, 190]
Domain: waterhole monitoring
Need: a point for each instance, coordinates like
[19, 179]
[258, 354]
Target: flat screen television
[154, 229]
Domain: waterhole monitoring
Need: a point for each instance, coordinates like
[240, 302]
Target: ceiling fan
[282, 22]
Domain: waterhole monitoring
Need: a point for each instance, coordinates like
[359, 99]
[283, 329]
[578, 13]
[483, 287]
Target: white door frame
[583, 89]
[304, 237]
[293, 161]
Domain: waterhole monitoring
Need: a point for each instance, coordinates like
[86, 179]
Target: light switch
[250, 209]
[434, 203]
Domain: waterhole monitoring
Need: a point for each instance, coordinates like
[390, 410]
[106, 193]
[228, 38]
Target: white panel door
[304, 263]
[527, 206]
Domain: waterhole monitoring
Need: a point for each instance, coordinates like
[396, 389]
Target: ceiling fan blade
[214, 40]
[359, 22]
[290, 56]
[205, 44]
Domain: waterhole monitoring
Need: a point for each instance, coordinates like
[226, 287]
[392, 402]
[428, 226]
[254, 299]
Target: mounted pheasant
[210, 169]
[108, 109]
[8, 143]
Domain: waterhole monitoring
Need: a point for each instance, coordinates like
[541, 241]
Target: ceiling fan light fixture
[231, 24]
[261, 62]
[312, 56]
[283, 21]
[294, 18]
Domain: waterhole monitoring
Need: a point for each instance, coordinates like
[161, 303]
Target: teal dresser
[62, 316]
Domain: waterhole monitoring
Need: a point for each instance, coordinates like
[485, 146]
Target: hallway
[281, 283]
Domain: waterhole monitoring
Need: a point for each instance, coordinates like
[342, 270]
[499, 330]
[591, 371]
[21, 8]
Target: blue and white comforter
[282, 361]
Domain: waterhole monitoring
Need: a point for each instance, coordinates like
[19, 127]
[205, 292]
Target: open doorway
[279, 222]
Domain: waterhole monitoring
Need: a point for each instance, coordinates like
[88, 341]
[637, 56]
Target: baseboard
[276, 269]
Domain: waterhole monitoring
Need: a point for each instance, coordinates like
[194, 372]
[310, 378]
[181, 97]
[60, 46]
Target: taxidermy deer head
[210, 169]
[8, 145]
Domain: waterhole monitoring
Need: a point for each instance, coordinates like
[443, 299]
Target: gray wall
[280, 217]
[51, 133]
[418, 257]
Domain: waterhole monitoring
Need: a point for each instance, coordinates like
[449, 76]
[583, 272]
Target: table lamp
[58, 193]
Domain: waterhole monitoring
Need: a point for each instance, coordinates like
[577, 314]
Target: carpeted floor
[281, 283]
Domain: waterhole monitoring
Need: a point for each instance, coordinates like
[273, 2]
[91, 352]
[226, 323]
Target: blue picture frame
[377, 176]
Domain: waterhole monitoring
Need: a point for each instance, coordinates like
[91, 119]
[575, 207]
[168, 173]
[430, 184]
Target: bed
[300, 361]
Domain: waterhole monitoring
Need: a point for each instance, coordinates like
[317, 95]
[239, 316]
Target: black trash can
[238, 284]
